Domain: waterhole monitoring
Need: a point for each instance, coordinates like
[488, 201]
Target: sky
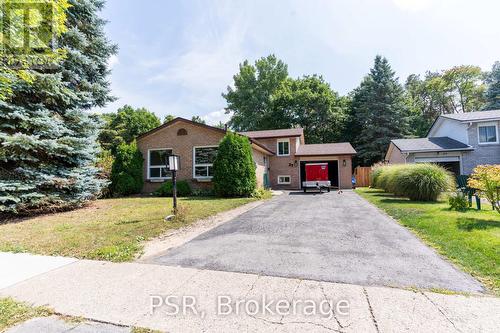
[177, 57]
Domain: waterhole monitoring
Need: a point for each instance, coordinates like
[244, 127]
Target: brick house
[458, 142]
[279, 155]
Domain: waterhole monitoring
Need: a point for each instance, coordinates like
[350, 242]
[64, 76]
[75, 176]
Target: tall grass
[418, 182]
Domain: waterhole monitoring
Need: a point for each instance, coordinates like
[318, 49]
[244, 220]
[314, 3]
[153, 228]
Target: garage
[450, 163]
[336, 156]
[333, 171]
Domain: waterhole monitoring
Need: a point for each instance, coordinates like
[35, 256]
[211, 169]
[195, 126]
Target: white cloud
[213, 50]
[213, 118]
[413, 5]
[113, 61]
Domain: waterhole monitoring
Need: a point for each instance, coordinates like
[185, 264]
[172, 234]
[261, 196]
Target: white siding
[450, 128]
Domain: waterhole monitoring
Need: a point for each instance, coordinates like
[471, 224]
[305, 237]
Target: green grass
[12, 313]
[470, 239]
[108, 229]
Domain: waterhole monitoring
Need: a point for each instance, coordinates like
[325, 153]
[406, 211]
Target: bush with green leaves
[126, 172]
[234, 168]
[167, 189]
[458, 201]
[418, 182]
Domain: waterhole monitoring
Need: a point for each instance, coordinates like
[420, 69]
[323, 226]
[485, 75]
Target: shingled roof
[430, 144]
[277, 133]
[474, 116]
[323, 149]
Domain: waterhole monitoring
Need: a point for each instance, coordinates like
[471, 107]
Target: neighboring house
[279, 155]
[458, 142]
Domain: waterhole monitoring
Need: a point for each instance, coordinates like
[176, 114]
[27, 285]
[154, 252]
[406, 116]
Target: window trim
[284, 183]
[203, 164]
[149, 166]
[488, 124]
[278, 147]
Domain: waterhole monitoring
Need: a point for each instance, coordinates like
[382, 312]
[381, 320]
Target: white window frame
[487, 125]
[278, 147]
[157, 166]
[284, 183]
[203, 164]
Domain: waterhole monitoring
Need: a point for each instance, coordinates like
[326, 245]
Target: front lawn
[12, 313]
[109, 229]
[471, 239]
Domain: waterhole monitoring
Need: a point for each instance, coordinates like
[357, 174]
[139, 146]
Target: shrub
[486, 180]
[126, 172]
[418, 182]
[458, 201]
[262, 193]
[166, 189]
[375, 176]
[234, 168]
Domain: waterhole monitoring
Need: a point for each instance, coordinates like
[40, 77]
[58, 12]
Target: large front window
[203, 161]
[157, 163]
[488, 134]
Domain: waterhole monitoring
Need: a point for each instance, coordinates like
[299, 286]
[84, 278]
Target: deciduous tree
[125, 125]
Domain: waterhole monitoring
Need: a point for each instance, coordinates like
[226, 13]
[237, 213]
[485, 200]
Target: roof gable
[179, 119]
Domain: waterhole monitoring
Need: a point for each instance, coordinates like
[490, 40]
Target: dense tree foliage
[265, 97]
[310, 103]
[48, 146]
[126, 172]
[492, 95]
[125, 125]
[234, 168]
[250, 101]
[168, 118]
[198, 119]
[379, 112]
[17, 64]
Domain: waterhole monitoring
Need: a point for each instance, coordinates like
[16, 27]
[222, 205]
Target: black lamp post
[174, 164]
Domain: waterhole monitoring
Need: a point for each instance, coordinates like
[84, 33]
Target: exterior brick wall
[482, 154]
[181, 145]
[282, 165]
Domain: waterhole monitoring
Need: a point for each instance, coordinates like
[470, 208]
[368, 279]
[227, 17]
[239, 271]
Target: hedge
[126, 171]
[418, 182]
[166, 189]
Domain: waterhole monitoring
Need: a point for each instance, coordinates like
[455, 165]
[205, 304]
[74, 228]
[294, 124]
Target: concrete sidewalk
[124, 294]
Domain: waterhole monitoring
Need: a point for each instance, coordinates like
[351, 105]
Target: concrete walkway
[130, 293]
[325, 237]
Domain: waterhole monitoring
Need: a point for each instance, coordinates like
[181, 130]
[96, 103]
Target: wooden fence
[362, 175]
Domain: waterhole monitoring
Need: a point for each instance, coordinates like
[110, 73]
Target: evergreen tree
[380, 112]
[493, 91]
[48, 145]
[234, 168]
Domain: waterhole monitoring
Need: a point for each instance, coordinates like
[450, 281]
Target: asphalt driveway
[326, 237]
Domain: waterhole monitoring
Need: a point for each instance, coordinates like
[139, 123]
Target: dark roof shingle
[430, 144]
[322, 149]
[277, 133]
[474, 116]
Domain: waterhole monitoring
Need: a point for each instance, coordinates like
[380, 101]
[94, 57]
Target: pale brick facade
[182, 136]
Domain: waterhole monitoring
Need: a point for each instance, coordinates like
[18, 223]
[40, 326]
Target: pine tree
[48, 145]
[380, 112]
[493, 92]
